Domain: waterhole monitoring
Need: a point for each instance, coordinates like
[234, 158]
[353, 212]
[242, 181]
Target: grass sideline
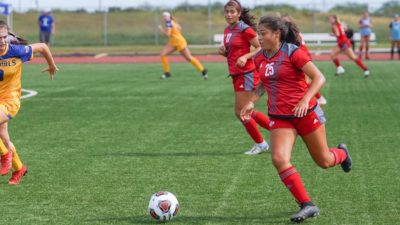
[100, 139]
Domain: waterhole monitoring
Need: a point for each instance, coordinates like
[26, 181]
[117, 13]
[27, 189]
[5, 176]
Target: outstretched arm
[45, 51]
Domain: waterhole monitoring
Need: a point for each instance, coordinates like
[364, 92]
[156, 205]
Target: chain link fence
[113, 26]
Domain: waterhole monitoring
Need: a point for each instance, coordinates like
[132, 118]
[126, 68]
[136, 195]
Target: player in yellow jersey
[11, 58]
[178, 43]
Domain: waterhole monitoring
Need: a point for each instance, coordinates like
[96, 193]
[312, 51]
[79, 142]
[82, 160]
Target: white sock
[263, 144]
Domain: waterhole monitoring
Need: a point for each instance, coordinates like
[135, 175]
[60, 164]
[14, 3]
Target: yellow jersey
[176, 38]
[10, 76]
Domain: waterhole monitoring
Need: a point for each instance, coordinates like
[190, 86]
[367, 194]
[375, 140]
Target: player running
[292, 108]
[12, 57]
[320, 99]
[176, 43]
[343, 45]
[239, 37]
[394, 27]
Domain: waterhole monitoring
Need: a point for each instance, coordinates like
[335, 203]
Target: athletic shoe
[17, 176]
[307, 210]
[348, 162]
[205, 74]
[6, 163]
[339, 70]
[366, 73]
[165, 76]
[255, 150]
[322, 101]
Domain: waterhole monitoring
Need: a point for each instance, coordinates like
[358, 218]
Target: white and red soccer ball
[163, 206]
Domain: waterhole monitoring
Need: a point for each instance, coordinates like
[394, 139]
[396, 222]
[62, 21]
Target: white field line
[30, 93]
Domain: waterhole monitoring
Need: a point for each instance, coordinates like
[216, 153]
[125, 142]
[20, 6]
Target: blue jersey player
[46, 27]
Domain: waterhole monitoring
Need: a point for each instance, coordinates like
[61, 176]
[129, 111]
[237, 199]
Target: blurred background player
[292, 108]
[176, 43]
[350, 35]
[343, 45]
[47, 27]
[239, 37]
[394, 27]
[12, 57]
[320, 99]
[365, 25]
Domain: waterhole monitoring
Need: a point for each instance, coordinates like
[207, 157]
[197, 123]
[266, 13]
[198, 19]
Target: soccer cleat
[6, 163]
[255, 150]
[307, 210]
[17, 176]
[165, 76]
[339, 70]
[348, 162]
[366, 73]
[205, 74]
[322, 101]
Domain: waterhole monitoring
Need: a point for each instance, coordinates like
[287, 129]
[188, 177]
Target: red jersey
[303, 45]
[237, 43]
[283, 78]
[342, 38]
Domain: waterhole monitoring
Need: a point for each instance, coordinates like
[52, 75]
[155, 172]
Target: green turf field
[99, 140]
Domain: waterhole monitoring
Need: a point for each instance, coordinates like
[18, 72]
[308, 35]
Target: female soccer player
[12, 57]
[320, 99]
[176, 43]
[292, 108]
[343, 45]
[239, 37]
[365, 25]
[394, 27]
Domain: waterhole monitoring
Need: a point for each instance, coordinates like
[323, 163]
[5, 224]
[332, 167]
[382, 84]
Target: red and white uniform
[237, 43]
[342, 40]
[286, 85]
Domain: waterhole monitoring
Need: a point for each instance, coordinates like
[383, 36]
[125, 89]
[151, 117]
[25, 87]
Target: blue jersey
[395, 30]
[45, 23]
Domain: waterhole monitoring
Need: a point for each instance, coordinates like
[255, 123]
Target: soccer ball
[163, 206]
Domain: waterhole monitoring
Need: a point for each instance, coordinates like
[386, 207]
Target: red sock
[318, 95]
[360, 49]
[366, 49]
[340, 155]
[292, 181]
[261, 119]
[251, 128]
[336, 61]
[361, 64]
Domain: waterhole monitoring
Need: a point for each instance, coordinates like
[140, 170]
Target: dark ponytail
[12, 38]
[245, 15]
[248, 19]
[289, 30]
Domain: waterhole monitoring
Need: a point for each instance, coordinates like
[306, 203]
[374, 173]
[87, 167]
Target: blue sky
[22, 5]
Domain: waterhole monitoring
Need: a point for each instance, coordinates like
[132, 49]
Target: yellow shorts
[10, 108]
[179, 45]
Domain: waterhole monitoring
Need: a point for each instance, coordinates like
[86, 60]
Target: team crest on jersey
[228, 37]
[269, 69]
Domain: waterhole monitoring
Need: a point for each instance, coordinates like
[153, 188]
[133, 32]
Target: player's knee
[279, 162]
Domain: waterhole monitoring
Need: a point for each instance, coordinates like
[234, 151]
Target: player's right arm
[45, 51]
[222, 51]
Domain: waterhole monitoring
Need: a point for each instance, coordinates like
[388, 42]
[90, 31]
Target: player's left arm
[317, 82]
[45, 51]
[241, 61]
